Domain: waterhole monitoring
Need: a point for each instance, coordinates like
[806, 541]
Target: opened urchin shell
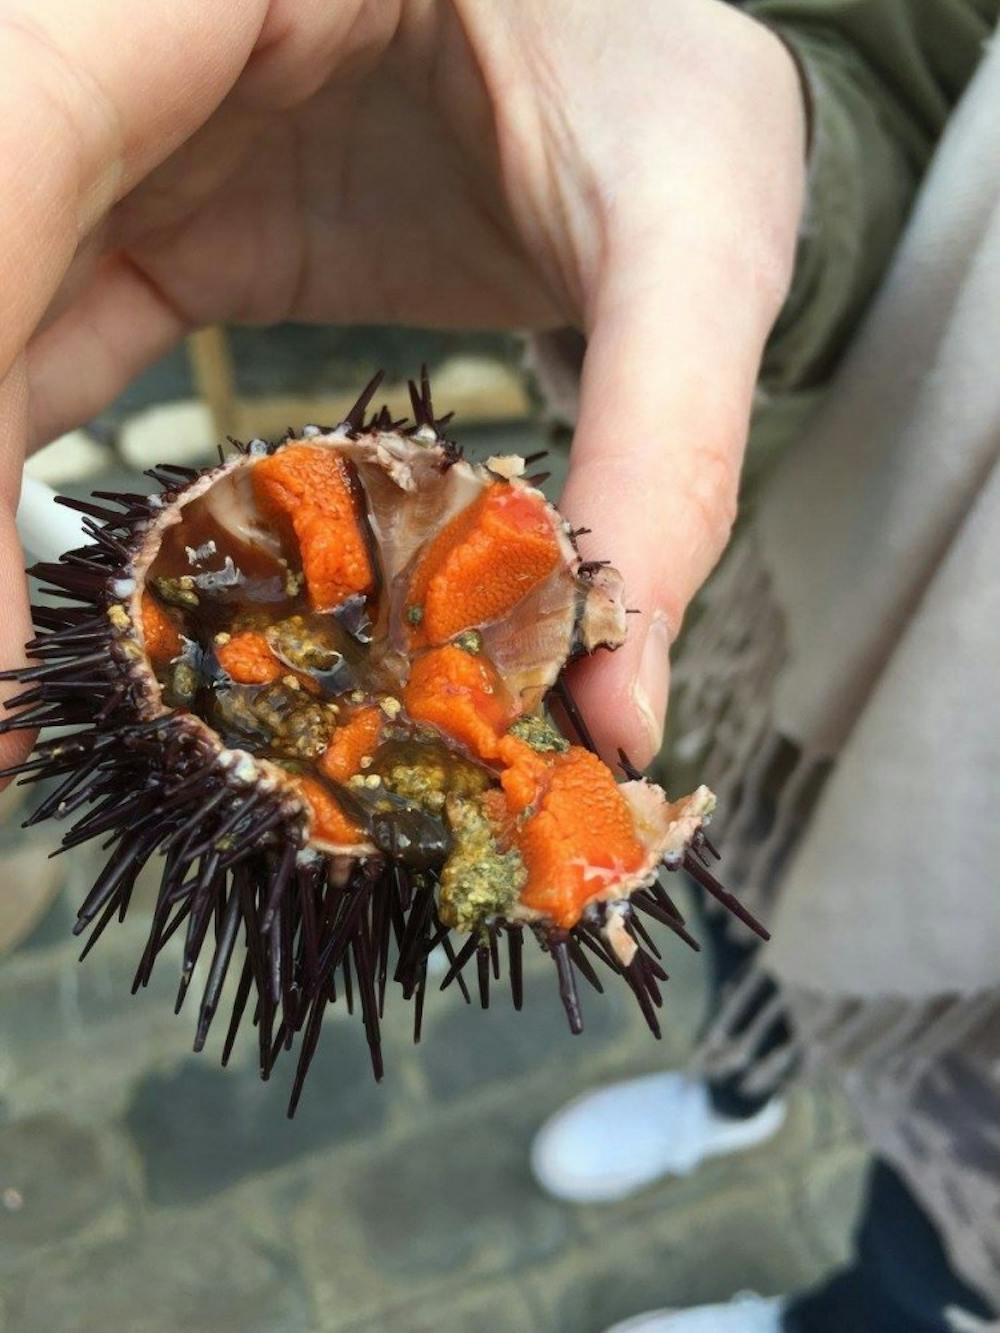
[314, 681]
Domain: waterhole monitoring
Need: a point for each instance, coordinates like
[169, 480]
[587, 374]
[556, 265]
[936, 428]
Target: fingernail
[652, 685]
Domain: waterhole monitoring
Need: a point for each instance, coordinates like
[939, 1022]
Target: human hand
[449, 162]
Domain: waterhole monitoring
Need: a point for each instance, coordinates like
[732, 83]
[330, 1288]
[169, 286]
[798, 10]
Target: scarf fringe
[924, 1076]
[722, 716]
[767, 786]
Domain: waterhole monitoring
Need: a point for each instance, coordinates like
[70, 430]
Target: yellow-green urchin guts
[479, 881]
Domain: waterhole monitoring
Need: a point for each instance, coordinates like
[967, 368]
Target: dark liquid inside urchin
[223, 570]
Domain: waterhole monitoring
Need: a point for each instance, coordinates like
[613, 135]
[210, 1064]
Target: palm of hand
[370, 200]
[379, 197]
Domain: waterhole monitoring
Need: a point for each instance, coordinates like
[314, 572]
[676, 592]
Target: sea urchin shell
[314, 680]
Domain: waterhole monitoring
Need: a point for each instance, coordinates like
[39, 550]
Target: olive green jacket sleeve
[884, 77]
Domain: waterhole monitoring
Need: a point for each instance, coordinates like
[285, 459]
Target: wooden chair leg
[212, 368]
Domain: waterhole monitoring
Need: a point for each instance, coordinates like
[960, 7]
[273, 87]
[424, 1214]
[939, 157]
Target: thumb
[15, 626]
[666, 393]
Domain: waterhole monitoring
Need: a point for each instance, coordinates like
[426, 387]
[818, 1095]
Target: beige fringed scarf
[841, 692]
[847, 669]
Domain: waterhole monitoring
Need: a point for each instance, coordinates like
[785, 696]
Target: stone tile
[465, 1049]
[828, 1200]
[12, 801]
[55, 1178]
[699, 1254]
[200, 1128]
[448, 1207]
[684, 995]
[54, 927]
[205, 1272]
[499, 1307]
[32, 885]
[49, 999]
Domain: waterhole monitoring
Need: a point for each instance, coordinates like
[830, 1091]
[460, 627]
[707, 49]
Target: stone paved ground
[143, 1189]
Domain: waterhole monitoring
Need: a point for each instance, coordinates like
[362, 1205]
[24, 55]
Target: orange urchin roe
[248, 658]
[523, 774]
[583, 827]
[329, 823]
[482, 563]
[311, 488]
[159, 633]
[350, 742]
[496, 808]
[462, 695]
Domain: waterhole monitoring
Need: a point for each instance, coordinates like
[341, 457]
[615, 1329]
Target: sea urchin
[314, 680]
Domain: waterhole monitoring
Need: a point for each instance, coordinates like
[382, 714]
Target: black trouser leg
[901, 1280]
[727, 957]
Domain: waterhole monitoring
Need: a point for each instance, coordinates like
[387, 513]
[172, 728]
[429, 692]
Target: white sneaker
[745, 1313]
[613, 1141]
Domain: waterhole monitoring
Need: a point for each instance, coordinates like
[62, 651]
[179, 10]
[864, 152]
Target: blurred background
[144, 1189]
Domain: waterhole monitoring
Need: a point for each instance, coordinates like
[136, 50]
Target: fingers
[15, 631]
[116, 326]
[678, 330]
[303, 42]
[92, 96]
[15, 624]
